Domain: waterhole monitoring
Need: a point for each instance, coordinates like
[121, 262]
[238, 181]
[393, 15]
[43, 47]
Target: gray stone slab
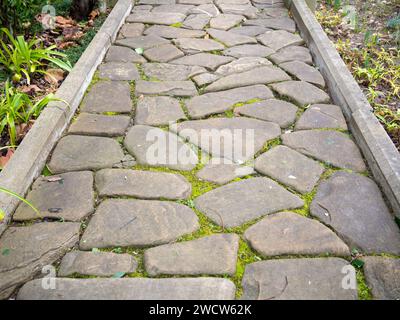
[132, 289]
[298, 279]
[196, 21]
[219, 2]
[166, 88]
[123, 54]
[282, 23]
[163, 53]
[226, 21]
[147, 144]
[229, 38]
[205, 78]
[206, 60]
[208, 8]
[173, 8]
[242, 64]
[246, 10]
[100, 125]
[279, 39]
[223, 173]
[71, 197]
[144, 42]
[101, 264]
[173, 32]
[291, 53]
[137, 223]
[332, 147]
[304, 72]
[250, 31]
[249, 50]
[142, 7]
[171, 72]
[353, 206]
[163, 18]
[195, 2]
[322, 116]
[129, 30]
[212, 255]
[120, 71]
[191, 45]
[142, 184]
[157, 2]
[274, 12]
[108, 96]
[74, 152]
[288, 233]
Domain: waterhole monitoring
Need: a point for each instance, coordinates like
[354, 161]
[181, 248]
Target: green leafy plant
[4, 190]
[16, 13]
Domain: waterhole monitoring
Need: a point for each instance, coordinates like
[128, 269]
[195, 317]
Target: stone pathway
[282, 221]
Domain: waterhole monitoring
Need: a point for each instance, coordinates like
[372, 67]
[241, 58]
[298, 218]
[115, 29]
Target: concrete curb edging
[378, 149]
[31, 155]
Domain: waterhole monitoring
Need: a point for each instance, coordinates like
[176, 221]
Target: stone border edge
[378, 149]
[31, 155]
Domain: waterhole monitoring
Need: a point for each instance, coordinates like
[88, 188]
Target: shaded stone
[196, 21]
[225, 21]
[166, 88]
[127, 162]
[279, 39]
[129, 30]
[222, 173]
[157, 2]
[239, 202]
[171, 72]
[304, 72]
[246, 10]
[249, 50]
[383, 277]
[204, 78]
[217, 102]
[250, 31]
[353, 205]
[322, 116]
[261, 75]
[142, 184]
[332, 147]
[132, 289]
[164, 18]
[137, 223]
[282, 23]
[288, 233]
[118, 71]
[157, 111]
[209, 8]
[298, 279]
[290, 167]
[213, 255]
[100, 125]
[123, 54]
[26, 250]
[174, 8]
[101, 264]
[143, 42]
[242, 64]
[291, 53]
[230, 39]
[190, 45]
[147, 145]
[72, 197]
[163, 53]
[206, 60]
[173, 32]
[301, 92]
[108, 96]
[274, 110]
[74, 153]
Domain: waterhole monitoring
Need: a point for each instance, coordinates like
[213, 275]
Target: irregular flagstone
[246, 10]
[223, 172]
[291, 53]
[301, 92]
[239, 202]
[163, 53]
[166, 88]
[143, 42]
[157, 2]
[100, 125]
[269, 4]
[142, 184]
[298, 279]
[217, 102]
[72, 197]
[144, 7]
[194, 2]
[353, 206]
[205, 78]
[123, 54]
[274, 110]
[101, 264]
[108, 96]
[131, 289]
[213, 255]
[288, 233]
[206, 60]
[322, 116]
[209, 8]
[137, 223]
[157, 111]
[274, 12]
[279, 39]
[171, 72]
[290, 168]
[196, 21]
[173, 32]
[249, 50]
[190, 45]
[225, 21]
[147, 144]
[230, 39]
[332, 147]
[250, 31]
[119, 71]
[174, 8]
[26, 250]
[164, 18]
[282, 23]
[75, 152]
[130, 30]
[304, 72]
[242, 64]
[219, 2]
[383, 277]
[261, 75]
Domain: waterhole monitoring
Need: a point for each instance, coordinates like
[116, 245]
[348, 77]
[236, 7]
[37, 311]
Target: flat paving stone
[304, 72]
[163, 18]
[291, 53]
[100, 125]
[332, 147]
[74, 152]
[301, 92]
[173, 8]
[163, 53]
[246, 10]
[123, 54]
[274, 12]
[212, 255]
[131, 289]
[120, 71]
[196, 21]
[353, 206]
[171, 72]
[290, 168]
[281, 23]
[157, 2]
[288, 233]
[274, 110]
[205, 78]
[191, 45]
[218, 102]
[26, 250]
[169, 32]
[279, 39]
[157, 111]
[195, 2]
[250, 31]
[226, 21]
[383, 277]
[223, 173]
[144, 7]
[130, 30]
[142, 184]
[242, 64]
[261, 75]
[208, 8]
[249, 50]
[101, 264]
[206, 60]
[298, 279]
[137, 223]
[322, 116]
[72, 197]
[166, 88]
[230, 39]
[143, 42]
[153, 146]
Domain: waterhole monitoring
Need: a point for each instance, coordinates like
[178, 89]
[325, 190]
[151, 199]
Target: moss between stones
[176, 25]
[364, 292]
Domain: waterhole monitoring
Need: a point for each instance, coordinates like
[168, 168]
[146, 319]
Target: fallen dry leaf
[54, 76]
[65, 45]
[64, 21]
[31, 89]
[6, 158]
[95, 13]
